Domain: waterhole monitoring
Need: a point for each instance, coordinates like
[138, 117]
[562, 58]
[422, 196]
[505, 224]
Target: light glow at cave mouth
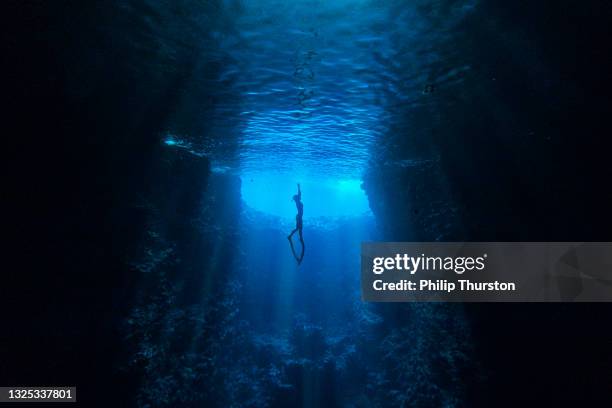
[272, 193]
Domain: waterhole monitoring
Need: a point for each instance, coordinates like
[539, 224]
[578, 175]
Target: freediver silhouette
[298, 225]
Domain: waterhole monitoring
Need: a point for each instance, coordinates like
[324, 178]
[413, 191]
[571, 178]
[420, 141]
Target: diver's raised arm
[299, 191]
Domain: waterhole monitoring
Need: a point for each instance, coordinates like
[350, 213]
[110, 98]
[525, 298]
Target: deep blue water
[309, 92]
[154, 149]
[315, 87]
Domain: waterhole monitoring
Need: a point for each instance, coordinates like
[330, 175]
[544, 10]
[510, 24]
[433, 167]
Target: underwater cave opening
[323, 197]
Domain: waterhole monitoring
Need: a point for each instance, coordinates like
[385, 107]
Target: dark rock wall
[178, 331]
[518, 151]
[91, 89]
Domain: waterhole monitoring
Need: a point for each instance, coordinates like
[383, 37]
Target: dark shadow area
[521, 154]
[91, 87]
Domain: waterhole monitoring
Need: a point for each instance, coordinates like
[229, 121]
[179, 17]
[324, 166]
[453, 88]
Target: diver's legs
[298, 259]
[302, 242]
[292, 232]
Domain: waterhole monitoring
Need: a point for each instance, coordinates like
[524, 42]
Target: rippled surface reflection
[318, 80]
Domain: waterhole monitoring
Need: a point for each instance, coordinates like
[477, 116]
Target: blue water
[304, 79]
[312, 92]
[318, 82]
[319, 85]
[271, 193]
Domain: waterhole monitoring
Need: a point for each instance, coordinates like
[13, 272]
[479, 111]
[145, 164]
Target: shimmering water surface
[318, 83]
